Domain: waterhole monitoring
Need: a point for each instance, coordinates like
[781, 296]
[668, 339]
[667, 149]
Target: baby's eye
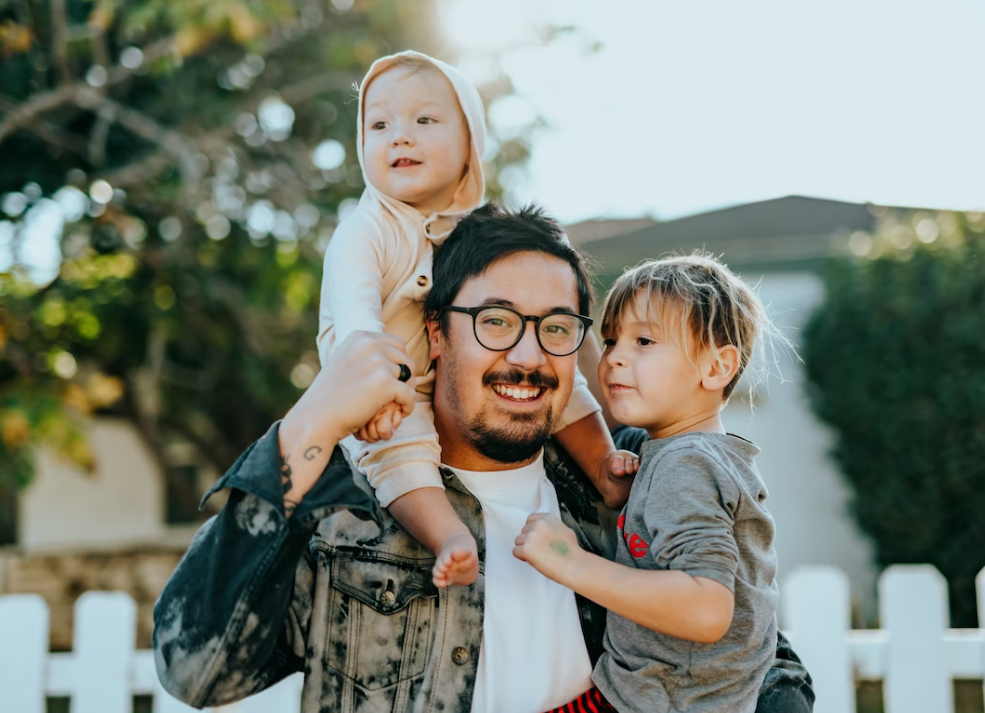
[644, 342]
[378, 125]
[607, 343]
[425, 120]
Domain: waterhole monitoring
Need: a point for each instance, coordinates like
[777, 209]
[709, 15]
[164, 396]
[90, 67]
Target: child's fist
[618, 470]
[383, 425]
[548, 545]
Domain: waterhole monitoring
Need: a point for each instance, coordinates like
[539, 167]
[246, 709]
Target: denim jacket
[341, 592]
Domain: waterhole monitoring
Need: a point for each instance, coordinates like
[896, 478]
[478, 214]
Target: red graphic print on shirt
[637, 545]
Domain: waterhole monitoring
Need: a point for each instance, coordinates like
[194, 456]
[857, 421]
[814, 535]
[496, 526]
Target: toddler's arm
[583, 434]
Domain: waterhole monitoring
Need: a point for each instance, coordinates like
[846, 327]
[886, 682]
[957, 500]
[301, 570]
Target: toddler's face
[415, 138]
[646, 375]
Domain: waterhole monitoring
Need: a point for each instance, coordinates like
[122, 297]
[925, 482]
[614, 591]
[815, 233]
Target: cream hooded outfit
[377, 274]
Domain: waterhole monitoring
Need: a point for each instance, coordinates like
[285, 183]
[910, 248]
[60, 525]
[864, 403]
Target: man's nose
[527, 354]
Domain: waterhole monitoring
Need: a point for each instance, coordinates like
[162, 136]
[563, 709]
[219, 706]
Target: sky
[669, 108]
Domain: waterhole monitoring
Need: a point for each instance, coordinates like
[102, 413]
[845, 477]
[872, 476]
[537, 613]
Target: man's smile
[518, 393]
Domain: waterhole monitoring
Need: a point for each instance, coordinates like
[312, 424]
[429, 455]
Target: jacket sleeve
[233, 618]
[352, 285]
[787, 687]
[580, 405]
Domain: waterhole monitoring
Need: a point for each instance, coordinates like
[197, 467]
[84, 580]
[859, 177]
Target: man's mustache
[515, 377]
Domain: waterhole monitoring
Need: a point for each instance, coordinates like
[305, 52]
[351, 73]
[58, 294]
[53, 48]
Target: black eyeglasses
[499, 329]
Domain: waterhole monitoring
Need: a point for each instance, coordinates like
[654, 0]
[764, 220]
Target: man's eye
[494, 322]
[557, 329]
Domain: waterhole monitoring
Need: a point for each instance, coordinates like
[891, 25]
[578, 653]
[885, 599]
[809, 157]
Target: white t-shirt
[533, 656]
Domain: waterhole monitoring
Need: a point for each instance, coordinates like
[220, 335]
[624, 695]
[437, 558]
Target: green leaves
[896, 363]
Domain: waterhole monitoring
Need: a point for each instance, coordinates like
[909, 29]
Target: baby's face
[415, 138]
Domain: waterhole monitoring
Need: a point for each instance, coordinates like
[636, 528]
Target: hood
[472, 188]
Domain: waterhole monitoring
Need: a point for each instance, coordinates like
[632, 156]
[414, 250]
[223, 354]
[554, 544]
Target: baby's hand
[618, 470]
[549, 545]
[383, 425]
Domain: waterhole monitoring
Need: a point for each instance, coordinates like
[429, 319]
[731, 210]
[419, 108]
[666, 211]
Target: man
[288, 577]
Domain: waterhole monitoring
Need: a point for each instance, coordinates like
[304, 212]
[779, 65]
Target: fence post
[105, 630]
[23, 652]
[913, 609]
[816, 611]
[980, 588]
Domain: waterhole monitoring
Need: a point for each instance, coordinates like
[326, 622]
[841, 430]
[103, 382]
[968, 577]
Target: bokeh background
[171, 173]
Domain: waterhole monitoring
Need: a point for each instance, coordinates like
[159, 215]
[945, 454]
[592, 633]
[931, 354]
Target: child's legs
[427, 515]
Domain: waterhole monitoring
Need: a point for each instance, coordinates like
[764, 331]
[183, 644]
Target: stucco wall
[808, 498]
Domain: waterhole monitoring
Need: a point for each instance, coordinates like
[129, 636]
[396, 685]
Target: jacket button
[422, 281]
[389, 598]
[460, 655]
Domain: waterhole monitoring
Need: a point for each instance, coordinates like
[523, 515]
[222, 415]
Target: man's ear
[435, 338]
[718, 369]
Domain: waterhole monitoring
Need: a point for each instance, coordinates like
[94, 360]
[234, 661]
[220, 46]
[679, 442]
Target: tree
[198, 155]
[896, 362]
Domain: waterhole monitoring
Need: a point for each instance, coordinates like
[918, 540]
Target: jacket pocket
[379, 620]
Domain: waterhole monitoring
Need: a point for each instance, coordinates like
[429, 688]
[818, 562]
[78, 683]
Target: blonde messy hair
[697, 300]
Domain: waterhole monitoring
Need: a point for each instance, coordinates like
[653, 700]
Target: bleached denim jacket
[341, 592]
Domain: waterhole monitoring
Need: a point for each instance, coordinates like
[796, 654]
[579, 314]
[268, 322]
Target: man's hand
[359, 379]
[615, 477]
[550, 546]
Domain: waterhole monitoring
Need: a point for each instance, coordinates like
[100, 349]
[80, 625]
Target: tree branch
[49, 133]
[59, 40]
[25, 113]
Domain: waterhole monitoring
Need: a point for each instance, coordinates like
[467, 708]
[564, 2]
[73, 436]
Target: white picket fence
[915, 655]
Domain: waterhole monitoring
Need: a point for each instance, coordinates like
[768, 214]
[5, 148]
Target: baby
[421, 137]
[691, 595]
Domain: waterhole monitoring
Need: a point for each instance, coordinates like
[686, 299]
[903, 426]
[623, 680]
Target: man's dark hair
[489, 233]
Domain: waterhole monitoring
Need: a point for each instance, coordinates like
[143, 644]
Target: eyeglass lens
[499, 329]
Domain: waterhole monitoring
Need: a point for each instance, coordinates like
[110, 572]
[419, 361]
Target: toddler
[691, 594]
[421, 137]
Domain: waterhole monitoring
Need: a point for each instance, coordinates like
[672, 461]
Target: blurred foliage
[199, 155]
[896, 363]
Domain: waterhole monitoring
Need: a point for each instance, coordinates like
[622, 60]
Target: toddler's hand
[383, 425]
[618, 471]
[549, 545]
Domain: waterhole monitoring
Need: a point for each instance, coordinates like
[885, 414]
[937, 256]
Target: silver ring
[404, 373]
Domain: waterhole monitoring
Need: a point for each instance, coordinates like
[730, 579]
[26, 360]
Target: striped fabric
[591, 701]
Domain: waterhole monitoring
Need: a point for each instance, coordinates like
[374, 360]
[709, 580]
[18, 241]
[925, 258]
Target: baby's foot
[457, 563]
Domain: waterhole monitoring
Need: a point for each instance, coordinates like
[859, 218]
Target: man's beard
[526, 433]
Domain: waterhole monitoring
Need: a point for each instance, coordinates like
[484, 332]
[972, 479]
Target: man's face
[480, 424]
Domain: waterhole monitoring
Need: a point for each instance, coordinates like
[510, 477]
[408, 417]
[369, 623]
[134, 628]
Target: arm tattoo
[312, 452]
[285, 474]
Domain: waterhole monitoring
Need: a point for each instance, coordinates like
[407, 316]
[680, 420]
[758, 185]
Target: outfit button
[389, 598]
[460, 655]
[422, 281]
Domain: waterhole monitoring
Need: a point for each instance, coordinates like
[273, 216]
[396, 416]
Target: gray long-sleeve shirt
[696, 506]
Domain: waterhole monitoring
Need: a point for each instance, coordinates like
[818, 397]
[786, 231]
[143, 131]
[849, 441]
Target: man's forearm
[304, 454]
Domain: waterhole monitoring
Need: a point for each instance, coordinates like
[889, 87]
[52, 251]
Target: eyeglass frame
[474, 312]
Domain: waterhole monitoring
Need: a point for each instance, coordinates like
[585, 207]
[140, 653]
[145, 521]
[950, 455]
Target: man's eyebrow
[502, 302]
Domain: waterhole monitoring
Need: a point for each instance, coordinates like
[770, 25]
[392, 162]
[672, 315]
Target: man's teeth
[518, 393]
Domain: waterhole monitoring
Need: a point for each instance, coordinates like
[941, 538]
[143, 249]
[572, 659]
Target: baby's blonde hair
[697, 300]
